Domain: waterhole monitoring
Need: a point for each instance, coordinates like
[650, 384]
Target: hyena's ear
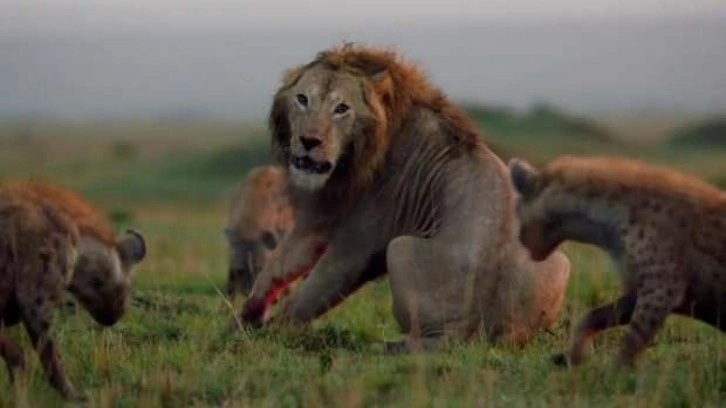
[231, 235]
[131, 247]
[525, 178]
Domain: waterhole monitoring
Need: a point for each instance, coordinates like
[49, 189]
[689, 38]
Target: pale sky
[91, 16]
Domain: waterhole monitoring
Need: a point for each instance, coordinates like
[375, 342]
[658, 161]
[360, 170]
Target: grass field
[170, 180]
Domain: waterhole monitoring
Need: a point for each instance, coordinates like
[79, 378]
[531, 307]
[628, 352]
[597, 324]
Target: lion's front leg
[297, 256]
[339, 273]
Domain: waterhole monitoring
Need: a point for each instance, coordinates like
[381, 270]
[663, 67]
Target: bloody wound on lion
[255, 307]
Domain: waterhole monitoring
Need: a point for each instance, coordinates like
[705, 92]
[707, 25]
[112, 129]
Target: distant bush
[548, 117]
[231, 162]
[124, 150]
[490, 114]
[189, 176]
[121, 217]
[710, 132]
[541, 118]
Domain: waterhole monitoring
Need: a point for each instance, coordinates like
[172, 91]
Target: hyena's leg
[432, 297]
[242, 263]
[37, 320]
[656, 300]
[36, 300]
[13, 356]
[9, 350]
[232, 282]
[596, 320]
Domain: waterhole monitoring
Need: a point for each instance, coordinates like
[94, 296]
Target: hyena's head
[260, 218]
[249, 254]
[546, 207]
[102, 275]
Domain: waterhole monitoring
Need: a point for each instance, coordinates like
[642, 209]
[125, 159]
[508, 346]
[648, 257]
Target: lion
[260, 217]
[52, 240]
[389, 177]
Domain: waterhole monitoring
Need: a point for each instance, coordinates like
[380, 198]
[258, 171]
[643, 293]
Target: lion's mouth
[306, 163]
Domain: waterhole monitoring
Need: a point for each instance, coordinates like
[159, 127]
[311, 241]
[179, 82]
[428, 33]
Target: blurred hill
[542, 118]
[703, 133]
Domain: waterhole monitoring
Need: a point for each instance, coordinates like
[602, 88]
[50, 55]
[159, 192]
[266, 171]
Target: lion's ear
[378, 75]
[291, 76]
[525, 177]
[384, 87]
[231, 235]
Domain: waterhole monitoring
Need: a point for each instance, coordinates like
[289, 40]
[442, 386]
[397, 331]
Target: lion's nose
[310, 143]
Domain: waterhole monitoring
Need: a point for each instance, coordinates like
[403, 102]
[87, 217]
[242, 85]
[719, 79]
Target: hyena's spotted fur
[260, 217]
[666, 231]
[51, 240]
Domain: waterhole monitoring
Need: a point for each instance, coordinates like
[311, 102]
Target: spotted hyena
[51, 240]
[260, 216]
[666, 231]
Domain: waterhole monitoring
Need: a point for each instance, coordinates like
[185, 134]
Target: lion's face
[327, 112]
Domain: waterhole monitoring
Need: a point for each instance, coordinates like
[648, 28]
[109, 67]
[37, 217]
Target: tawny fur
[84, 216]
[666, 231]
[389, 177]
[52, 240]
[260, 217]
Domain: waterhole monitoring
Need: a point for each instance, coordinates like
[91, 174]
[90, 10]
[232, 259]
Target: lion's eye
[302, 99]
[341, 108]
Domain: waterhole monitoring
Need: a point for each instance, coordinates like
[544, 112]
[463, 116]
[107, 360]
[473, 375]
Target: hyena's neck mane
[626, 177]
[88, 221]
[591, 219]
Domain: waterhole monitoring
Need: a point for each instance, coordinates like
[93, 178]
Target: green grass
[173, 347]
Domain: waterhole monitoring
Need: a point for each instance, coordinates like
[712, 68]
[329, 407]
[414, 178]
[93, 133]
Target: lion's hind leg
[431, 293]
[549, 283]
